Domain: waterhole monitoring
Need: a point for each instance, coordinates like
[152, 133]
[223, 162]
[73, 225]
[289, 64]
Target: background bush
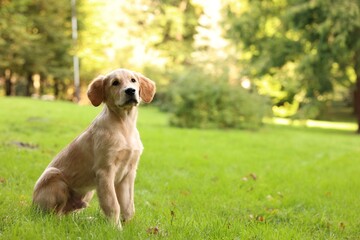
[198, 100]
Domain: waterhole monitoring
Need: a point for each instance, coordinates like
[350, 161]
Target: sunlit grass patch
[347, 126]
[279, 182]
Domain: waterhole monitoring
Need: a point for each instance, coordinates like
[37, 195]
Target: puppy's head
[121, 88]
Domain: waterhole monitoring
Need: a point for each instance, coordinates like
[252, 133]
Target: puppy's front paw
[119, 226]
[128, 214]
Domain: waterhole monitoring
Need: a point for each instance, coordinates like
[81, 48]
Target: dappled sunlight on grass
[346, 126]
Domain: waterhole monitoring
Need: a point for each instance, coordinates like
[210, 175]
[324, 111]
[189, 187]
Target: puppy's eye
[115, 83]
[133, 80]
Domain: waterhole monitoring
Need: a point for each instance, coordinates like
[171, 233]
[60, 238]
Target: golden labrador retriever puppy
[104, 157]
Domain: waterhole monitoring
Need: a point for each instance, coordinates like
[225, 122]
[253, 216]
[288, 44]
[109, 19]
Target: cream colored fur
[104, 157]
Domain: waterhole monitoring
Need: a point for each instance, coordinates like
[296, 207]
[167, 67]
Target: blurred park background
[217, 64]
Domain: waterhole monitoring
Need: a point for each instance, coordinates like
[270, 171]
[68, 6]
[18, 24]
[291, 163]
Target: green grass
[280, 182]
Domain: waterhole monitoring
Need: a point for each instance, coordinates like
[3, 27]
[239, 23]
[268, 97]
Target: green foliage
[174, 24]
[15, 38]
[317, 37]
[35, 38]
[147, 36]
[295, 51]
[198, 100]
[276, 183]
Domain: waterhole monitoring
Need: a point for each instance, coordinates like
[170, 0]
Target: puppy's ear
[147, 88]
[96, 91]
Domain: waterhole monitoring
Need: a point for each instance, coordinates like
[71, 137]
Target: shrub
[198, 100]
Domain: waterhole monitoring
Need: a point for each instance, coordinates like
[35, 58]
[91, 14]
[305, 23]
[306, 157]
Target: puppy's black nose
[130, 91]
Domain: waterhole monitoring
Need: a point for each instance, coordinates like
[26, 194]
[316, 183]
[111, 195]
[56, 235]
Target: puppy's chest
[126, 160]
[126, 156]
[123, 153]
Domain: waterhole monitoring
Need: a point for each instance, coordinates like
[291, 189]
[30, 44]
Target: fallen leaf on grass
[253, 176]
[172, 213]
[259, 218]
[185, 192]
[249, 176]
[153, 230]
[2, 180]
[250, 189]
[24, 145]
[228, 225]
[342, 226]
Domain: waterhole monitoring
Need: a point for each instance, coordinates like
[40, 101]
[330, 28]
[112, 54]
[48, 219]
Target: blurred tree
[306, 47]
[139, 35]
[34, 39]
[53, 19]
[154, 37]
[98, 33]
[15, 39]
[161, 34]
[176, 24]
[211, 51]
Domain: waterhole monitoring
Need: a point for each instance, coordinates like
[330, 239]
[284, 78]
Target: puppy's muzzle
[131, 96]
[130, 92]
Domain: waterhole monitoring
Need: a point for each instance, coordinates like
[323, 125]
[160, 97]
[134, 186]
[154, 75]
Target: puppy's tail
[51, 191]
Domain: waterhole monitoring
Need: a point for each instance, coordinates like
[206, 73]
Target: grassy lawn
[277, 183]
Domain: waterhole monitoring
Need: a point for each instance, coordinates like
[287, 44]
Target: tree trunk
[42, 84]
[8, 83]
[56, 87]
[357, 88]
[29, 85]
[8, 86]
[357, 101]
